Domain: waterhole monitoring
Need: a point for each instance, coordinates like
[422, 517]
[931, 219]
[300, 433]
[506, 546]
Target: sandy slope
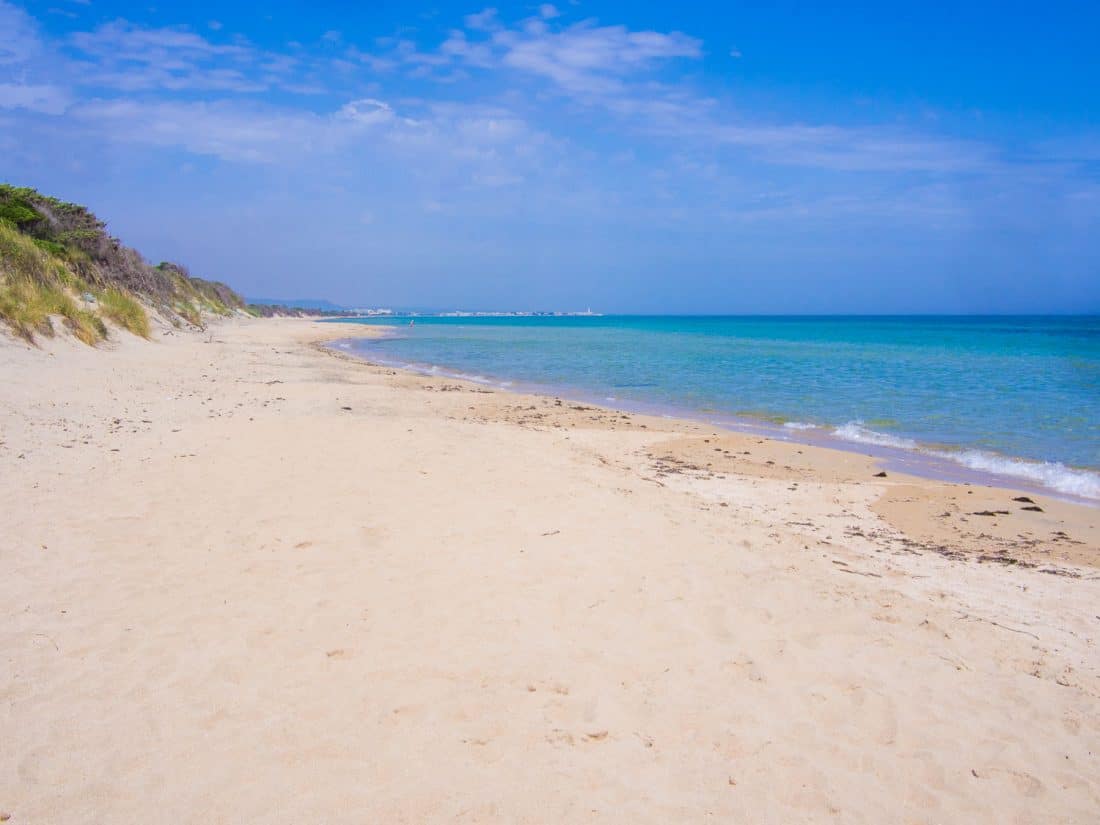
[244, 580]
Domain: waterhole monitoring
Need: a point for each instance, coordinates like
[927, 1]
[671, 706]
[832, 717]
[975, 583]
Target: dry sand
[245, 580]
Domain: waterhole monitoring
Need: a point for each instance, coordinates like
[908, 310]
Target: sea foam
[799, 425]
[1053, 475]
[856, 432]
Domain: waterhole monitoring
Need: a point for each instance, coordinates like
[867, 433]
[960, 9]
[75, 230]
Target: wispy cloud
[535, 109]
[466, 145]
[484, 20]
[622, 71]
[628, 74]
[129, 57]
[834, 148]
[19, 38]
[227, 130]
[579, 58]
[588, 58]
[46, 99]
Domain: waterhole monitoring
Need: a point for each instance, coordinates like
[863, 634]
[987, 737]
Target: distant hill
[299, 303]
[57, 260]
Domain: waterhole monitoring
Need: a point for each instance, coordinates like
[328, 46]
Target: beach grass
[87, 327]
[36, 285]
[56, 256]
[186, 310]
[124, 310]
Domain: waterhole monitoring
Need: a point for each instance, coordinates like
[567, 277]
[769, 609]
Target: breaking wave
[799, 425]
[855, 431]
[1053, 475]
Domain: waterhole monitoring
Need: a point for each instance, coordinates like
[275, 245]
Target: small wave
[855, 431]
[461, 376]
[799, 425]
[1055, 475]
[1050, 474]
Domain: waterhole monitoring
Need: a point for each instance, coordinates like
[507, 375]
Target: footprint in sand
[558, 736]
[1024, 783]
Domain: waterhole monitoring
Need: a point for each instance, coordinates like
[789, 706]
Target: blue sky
[632, 157]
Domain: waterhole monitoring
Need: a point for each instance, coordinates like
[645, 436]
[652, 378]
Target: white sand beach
[247, 580]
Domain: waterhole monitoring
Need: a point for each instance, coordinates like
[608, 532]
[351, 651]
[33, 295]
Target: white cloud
[19, 39]
[127, 57]
[371, 61]
[122, 40]
[591, 59]
[50, 100]
[705, 125]
[852, 149]
[221, 129]
[626, 79]
[458, 47]
[407, 52]
[582, 59]
[181, 79]
[366, 111]
[465, 146]
[484, 20]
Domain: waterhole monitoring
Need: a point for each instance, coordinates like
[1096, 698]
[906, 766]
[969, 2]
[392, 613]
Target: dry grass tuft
[35, 286]
[124, 310]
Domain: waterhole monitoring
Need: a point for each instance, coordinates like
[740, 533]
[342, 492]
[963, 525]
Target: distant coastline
[457, 313]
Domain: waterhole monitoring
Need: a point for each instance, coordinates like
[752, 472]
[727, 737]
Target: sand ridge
[249, 581]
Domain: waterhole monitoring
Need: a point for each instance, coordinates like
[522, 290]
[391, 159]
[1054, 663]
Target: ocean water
[1011, 397]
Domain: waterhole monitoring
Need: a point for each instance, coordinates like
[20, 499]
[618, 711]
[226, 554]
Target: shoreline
[935, 463]
[256, 578]
[993, 540]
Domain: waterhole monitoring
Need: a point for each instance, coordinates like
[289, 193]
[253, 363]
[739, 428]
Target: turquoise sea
[1013, 397]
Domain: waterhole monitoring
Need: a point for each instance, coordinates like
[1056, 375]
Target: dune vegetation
[58, 264]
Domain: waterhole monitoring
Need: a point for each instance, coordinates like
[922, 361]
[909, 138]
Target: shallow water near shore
[1012, 399]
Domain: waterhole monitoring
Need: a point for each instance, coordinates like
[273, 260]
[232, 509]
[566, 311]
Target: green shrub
[52, 247]
[18, 213]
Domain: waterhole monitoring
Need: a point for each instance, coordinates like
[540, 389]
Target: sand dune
[248, 580]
